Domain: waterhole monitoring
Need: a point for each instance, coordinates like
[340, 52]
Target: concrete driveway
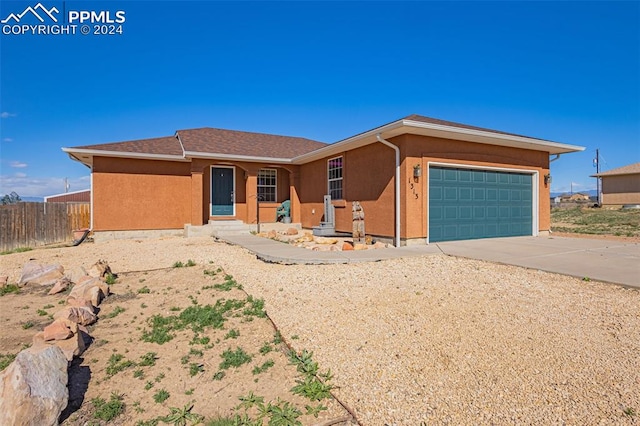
[603, 260]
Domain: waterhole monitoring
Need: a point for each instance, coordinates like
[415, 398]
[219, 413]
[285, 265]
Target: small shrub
[266, 348]
[232, 334]
[9, 288]
[195, 368]
[111, 279]
[178, 264]
[108, 411]
[5, 360]
[42, 313]
[234, 358]
[161, 396]
[190, 263]
[27, 325]
[144, 290]
[118, 363]
[219, 375]
[264, 367]
[138, 374]
[180, 416]
[148, 359]
[117, 311]
[49, 306]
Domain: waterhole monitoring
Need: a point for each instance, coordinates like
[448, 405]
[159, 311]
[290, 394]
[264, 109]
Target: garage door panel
[468, 204]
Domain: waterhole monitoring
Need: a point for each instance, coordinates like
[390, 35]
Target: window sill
[339, 204]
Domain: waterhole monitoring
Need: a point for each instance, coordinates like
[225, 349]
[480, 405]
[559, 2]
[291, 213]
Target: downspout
[551, 160]
[397, 179]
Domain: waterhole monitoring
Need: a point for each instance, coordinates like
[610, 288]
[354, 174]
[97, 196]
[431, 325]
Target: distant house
[418, 179]
[621, 185]
[83, 196]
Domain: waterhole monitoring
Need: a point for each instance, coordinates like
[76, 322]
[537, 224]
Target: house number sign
[414, 191]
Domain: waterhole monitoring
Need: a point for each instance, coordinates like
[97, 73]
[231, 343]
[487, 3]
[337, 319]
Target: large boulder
[36, 273]
[100, 269]
[58, 330]
[81, 316]
[60, 286]
[33, 389]
[90, 288]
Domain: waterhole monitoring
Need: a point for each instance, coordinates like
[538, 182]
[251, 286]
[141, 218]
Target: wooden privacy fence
[38, 224]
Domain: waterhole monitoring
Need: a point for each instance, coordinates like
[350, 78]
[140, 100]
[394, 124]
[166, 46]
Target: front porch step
[223, 228]
[217, 229]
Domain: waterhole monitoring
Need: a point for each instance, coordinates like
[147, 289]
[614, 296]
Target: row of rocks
[33, 389]
[318, 243]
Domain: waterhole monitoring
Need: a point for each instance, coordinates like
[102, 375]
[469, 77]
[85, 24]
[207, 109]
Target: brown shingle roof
[624, 170]
[232, 142]
[416, 117]
[168, 145]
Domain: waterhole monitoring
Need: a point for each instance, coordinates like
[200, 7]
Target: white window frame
[335, 179]
[274, 186]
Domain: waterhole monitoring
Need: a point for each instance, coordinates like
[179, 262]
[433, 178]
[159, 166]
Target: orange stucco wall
[140, 194]
[623, 189]
[369, 179]
[143, 194]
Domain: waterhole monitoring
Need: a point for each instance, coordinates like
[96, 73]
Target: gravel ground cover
[433, 340]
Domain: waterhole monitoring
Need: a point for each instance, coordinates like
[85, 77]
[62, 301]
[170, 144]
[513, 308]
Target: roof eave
[236, 157]
[491, 138]
[441, 131]
[85, 156]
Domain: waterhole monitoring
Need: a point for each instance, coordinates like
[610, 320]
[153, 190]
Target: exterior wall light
[417, 171]
[547, 179]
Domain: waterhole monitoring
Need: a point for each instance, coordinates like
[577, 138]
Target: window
[335, 178]
[267, 185]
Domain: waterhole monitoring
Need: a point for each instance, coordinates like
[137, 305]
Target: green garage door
[466, 204]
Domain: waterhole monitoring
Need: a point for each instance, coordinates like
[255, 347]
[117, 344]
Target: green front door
[222, 195]
[467, 204]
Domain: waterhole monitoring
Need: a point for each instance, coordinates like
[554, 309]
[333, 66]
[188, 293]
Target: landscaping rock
[81, 316]
[57, 330]
[3, 281]
[272, 234]
[60, 286]
[33, 389]
[99, 269]
[79, 302]
[73, 346]
[292, 231]
[325, 240]
[35, 273]
[359, 246]
[347, 246]
[90, 288]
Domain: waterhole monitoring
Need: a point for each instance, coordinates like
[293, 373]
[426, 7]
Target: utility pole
[597, 161]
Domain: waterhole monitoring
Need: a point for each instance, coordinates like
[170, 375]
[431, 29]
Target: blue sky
[563, 71]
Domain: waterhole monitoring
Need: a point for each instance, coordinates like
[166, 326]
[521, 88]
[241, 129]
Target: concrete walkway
[602, 260]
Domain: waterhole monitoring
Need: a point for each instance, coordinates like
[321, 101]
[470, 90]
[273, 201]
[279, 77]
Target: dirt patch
[151, 375]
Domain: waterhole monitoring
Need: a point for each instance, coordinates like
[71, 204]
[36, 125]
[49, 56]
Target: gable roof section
[208, 142]
[631, 169]
[426, 126]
